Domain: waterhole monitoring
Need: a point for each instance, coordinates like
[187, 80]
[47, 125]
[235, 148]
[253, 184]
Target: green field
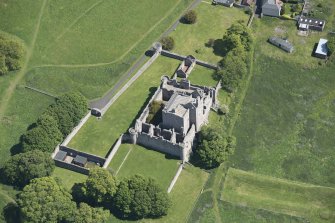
[316, 203]
[98, 135]
[212, 23]
[149, 163]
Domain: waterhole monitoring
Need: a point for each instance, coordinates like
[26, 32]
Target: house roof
[282, 42]
[61, 155]
[176, 104]
[322, 47]
[80, 159]
[311, 21]
[225, 1]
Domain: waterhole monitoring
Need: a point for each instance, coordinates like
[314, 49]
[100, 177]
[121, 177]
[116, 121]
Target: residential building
[305, 24]
[271, 8]
[282, 44]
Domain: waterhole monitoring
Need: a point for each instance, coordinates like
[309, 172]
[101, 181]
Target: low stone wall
[175, 178]
[208, 65]
[181, 57]
[72, 167]
[76, 129]
[160, 145]
[90, 157]
[113, 151]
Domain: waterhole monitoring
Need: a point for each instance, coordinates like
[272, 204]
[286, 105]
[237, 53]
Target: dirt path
[30, 49]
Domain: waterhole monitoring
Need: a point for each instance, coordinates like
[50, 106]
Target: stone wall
[76, 129]
[113, 151]
[72, 167]
[160, 144]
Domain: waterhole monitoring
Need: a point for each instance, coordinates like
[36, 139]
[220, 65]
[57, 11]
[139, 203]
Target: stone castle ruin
[174, 114]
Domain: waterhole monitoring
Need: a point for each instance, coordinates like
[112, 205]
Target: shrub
[20, 169]
[190, 17]
[167, 43]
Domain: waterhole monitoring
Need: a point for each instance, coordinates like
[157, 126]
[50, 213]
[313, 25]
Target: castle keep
[181, 110]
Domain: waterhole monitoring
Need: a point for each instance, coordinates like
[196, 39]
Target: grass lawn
[183, 196]
[68, 177]
[148, 163]
[316, 203]
[202, 76]
[98, 135]
[211, 24]
[303, 46]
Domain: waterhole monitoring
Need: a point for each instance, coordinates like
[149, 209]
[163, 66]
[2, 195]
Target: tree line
[137, 197]
[236, 47]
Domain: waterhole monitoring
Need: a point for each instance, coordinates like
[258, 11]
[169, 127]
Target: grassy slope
[148, 163]
[97, 136]
[283, 196]
[211, 24]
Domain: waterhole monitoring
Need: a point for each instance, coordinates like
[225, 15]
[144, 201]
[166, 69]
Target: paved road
[103, 101]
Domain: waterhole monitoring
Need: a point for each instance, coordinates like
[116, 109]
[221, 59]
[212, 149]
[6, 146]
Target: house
[80, 160]
[322, 49]
[186, 67]
[228, 3]
[282, 44]
[271, 8]
[305, 24]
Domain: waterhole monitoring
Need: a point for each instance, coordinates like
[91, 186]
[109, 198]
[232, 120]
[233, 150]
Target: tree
[331, 44]
[11, 52]
[98, 189]
[88, 214]
[138, 197]
[243, 32]
[214, 147]
[45, 136]
[190, 17]
[20, 169]
[44, 200]
[167, 43]
[234, 68]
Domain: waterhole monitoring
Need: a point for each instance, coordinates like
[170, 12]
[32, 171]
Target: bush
[11, 53]
[20, 169]
[190, 17]
[167, 43]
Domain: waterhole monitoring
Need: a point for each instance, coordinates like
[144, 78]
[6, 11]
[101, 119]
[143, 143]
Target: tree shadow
[218, 48]
[11, 213]
[16, 149]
